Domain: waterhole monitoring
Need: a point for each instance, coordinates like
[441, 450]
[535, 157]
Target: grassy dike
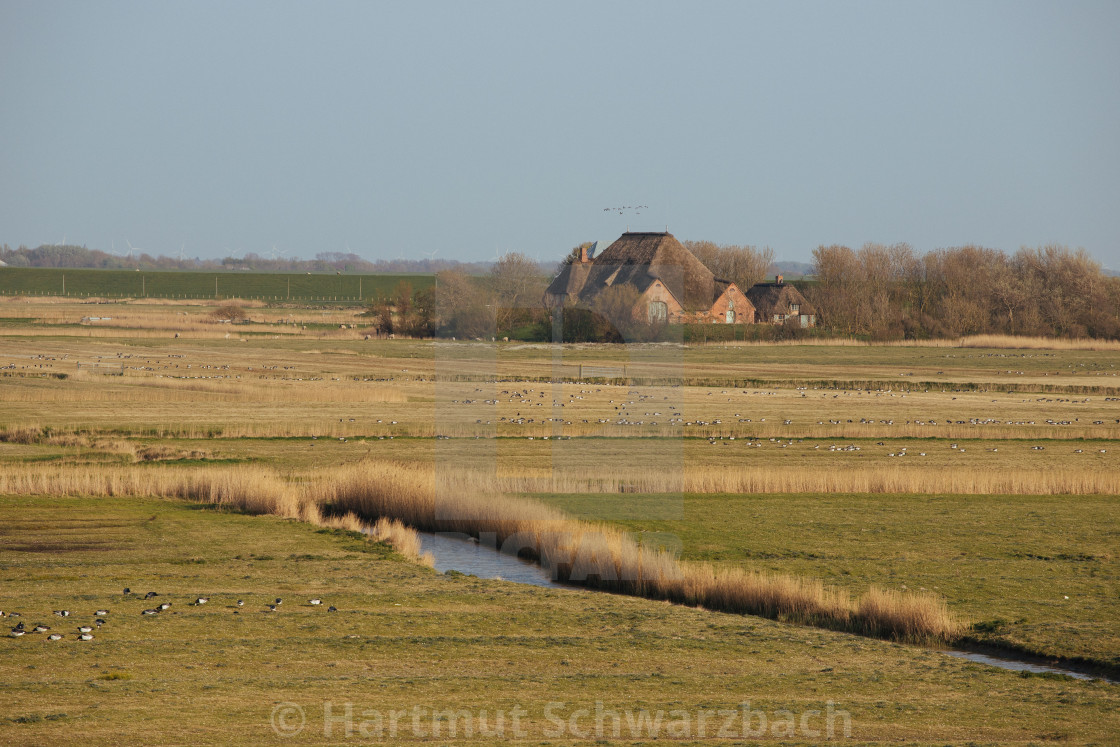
[407, 637]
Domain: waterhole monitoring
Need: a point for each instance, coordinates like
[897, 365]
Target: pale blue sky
[469, 128]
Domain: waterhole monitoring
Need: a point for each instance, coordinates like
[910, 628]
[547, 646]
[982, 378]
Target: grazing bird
[202, 600]
[99, 622]
[272, 608]
[279, 600]
[240, 603]
[150, 612]
[127, 591]
[332, 608]
[63, 613]
[150, 594]
[164, 606]
[315, 601]
[54, 637]
[85, 629]
[16, 632]
[41, 628]
[101, 613]
[85, 637]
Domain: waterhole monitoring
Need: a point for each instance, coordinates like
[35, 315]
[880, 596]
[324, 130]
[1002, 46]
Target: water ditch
[458, 552]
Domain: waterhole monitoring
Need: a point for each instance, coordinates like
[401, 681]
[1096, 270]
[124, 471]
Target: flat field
[985, 476]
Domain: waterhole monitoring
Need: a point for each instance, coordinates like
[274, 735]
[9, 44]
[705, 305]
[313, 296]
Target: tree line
[74, 256]
[891, 292]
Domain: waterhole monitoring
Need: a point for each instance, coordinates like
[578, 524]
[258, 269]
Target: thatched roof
[568, 283]
[775, 298]
[637, 259]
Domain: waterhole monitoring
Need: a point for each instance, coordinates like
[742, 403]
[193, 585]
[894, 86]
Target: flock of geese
[85, 632]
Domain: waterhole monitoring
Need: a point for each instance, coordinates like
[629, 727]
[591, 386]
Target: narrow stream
[457, 552]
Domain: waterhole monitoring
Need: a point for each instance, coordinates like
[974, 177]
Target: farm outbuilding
[781, 303]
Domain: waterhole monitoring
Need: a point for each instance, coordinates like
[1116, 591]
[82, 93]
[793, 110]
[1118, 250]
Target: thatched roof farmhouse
[671, 283]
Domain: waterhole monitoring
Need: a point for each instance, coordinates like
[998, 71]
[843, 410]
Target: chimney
[780, 279]
[583, 254]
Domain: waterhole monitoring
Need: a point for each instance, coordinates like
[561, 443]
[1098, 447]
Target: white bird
[85, 629]
[315, 601]
[101, 613]
[54, 637]
[85, 637]
[201, 600]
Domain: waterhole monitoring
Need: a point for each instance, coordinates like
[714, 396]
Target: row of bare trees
[892, 292]
[743, 265]
[506, 299]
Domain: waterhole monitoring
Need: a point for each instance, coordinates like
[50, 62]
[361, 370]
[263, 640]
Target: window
[658, 311]
[795, 308]
[730, 316]
[730, 303]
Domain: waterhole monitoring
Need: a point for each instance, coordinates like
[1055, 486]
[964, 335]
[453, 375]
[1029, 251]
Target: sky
[467, 130]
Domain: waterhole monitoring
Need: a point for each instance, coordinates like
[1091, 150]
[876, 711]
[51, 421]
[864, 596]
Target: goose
[101, 613]
[41, 628]
[202, 600]
[164, 606]
[150, 612]
[150, 594]
[85, 637]
[99, 622]
[16, 632]
[63, 613]
[272, 608]
[315, 601]
[332, 608]
[279, 600]
[127, 591]
[85, 629]
[54, 637]
[240, 603]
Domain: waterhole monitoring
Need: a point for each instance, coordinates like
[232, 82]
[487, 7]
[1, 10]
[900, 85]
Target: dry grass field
[915, 492]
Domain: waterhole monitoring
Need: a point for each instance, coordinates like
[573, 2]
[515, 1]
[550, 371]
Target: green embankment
[81, 283]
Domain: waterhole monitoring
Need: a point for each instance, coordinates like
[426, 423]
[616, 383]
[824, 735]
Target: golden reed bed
[392, 500]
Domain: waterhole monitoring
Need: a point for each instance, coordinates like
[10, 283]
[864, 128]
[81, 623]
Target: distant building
[781, 303]
[670, 283]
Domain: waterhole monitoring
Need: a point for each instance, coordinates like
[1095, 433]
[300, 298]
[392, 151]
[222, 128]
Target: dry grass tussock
[252, 490]
[602, 557]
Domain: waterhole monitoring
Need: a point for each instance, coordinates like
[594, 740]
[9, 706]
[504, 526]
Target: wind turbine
[131, 249]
